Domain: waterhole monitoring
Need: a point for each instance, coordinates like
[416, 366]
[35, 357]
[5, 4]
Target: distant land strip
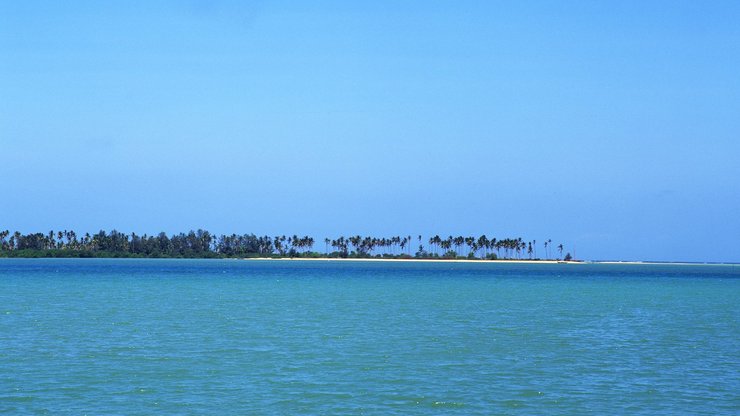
[203, 244]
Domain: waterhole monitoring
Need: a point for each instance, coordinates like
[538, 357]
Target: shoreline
[414, 260]
[371, 259]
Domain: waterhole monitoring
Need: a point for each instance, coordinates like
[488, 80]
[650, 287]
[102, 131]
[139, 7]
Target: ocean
[232, 337]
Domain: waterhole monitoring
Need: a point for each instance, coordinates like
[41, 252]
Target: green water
[138, 337]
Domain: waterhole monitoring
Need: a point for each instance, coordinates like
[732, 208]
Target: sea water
[231, 337]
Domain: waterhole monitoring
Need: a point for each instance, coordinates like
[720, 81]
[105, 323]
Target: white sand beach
[416, 260]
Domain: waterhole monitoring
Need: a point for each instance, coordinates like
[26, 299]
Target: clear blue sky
[613, 127]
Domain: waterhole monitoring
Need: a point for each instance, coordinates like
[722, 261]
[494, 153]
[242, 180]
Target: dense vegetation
[203, 244]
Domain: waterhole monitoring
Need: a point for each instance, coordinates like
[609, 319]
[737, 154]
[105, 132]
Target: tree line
[203, 244]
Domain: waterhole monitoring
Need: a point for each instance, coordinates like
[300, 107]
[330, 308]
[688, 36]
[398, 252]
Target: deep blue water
[235, 337]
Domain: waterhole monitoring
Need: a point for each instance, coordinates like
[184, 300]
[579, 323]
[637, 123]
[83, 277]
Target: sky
[611, 127]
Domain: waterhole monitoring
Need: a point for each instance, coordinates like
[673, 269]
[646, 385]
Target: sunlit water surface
[138, 337]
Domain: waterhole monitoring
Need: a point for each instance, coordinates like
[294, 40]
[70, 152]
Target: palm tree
[72, 239]
[50, 240]
[3, 235]
[446, 244]
[294, 243]
[434, 242]
[17, 237]
[470, 241]
[458, 241]
[483, 243]
[560, 249]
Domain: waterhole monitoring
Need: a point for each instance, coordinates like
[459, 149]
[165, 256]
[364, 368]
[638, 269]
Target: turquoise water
[233, 337]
